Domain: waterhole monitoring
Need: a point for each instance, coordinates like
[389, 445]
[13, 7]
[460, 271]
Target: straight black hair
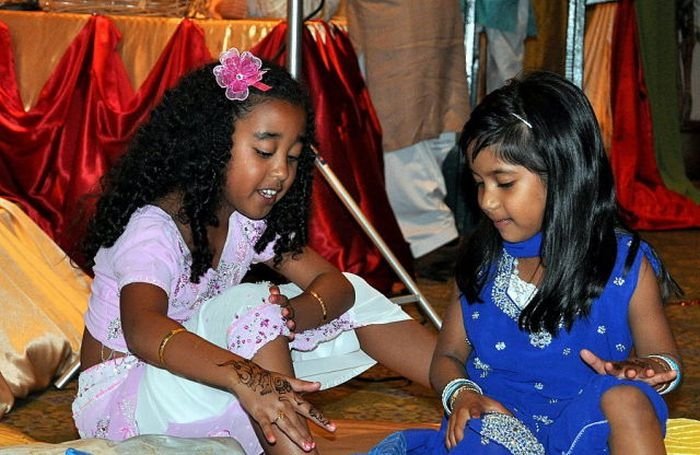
[545, 123]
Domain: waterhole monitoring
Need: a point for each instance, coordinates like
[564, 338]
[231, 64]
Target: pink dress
[126, 397]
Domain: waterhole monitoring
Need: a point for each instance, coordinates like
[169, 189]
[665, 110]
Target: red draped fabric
[349, 138]
[645, 202]
[86, 113]
[54, 154]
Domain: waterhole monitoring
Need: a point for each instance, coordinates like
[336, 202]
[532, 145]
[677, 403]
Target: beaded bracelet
[454, 388]
[320, 301]
[164, 342]
[673, 365]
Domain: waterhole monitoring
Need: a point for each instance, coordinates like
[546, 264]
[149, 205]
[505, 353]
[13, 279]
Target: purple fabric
[151, 250]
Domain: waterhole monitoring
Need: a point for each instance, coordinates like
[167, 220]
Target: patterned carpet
[382, 396]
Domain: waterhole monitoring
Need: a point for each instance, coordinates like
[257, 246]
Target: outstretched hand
[634, 368]
[277, 298]
[274, 399]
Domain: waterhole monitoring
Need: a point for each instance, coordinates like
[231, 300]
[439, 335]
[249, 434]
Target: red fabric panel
[85, 115]
[55, 154]
[349, 138]
[10, 108]
[645, 202]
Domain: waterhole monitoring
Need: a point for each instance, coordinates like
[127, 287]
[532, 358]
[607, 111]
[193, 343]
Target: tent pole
[294, 28]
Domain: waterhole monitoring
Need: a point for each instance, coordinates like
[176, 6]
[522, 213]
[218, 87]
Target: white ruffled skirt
[240, 320]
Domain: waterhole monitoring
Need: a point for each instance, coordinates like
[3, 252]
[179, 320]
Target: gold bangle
[320, 302]
[164, 342]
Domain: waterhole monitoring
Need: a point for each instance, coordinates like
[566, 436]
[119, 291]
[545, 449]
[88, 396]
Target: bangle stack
[320, 301]
[672, 366]
[456, 387]
[164, 342]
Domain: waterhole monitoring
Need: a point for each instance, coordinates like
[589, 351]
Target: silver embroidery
[102, 428]
[520, 291]
[479, 365]
[114, 329]
[544, 419]
[500, 287]
[541, 339]
[511, 434]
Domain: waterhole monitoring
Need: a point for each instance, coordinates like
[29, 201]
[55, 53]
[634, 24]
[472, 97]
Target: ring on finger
[280, 416]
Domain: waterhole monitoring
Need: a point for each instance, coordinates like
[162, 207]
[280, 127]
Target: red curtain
[54, 154]
[86, 113]
[645, 202]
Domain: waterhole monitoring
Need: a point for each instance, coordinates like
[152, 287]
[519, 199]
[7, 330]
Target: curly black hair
[184, 148]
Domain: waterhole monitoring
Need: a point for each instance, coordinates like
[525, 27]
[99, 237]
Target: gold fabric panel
[682, 437]
[547, 50]
[597, 45]
[415, 62]
[43, 300]
[39, 40]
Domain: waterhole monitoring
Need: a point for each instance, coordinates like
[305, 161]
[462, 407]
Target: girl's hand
[635, 368]
[274, 399]
[277, 298]
[468, 405]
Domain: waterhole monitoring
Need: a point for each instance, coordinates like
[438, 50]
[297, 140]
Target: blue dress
[553, 395]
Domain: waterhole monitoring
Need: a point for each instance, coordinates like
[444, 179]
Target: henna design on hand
[316, 414]
[281, 385]
[251, 375]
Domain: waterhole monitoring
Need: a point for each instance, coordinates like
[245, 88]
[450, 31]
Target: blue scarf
[527, 248]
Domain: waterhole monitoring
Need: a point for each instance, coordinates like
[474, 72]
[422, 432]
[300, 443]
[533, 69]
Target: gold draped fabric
[596, 64]
[415, 66]
[547, 50]
[39, 40]
[43, 300]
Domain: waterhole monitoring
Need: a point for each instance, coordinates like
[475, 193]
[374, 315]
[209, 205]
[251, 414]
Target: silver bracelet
[457, 385]
[673, 365]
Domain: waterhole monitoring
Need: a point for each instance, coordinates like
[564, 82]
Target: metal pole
[574, 41]
[294, 28]
[471, 50]
[295, 15]
[367, 227]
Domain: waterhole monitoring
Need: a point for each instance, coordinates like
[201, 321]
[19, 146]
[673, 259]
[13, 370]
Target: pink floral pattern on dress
[248, 333]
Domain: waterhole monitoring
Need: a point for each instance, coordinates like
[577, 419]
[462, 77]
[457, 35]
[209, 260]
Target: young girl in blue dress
[559, 343]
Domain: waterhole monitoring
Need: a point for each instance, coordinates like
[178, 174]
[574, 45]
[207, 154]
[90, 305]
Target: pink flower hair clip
[237, 72]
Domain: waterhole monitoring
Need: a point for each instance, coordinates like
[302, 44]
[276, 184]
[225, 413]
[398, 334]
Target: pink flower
[237, 72]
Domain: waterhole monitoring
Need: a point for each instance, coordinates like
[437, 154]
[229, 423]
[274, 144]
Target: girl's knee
[625, 401]
[624, 396]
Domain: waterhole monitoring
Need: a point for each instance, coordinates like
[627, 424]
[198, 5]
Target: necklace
[520, 291]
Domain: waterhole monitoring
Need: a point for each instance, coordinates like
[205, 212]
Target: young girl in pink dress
[218, 179]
